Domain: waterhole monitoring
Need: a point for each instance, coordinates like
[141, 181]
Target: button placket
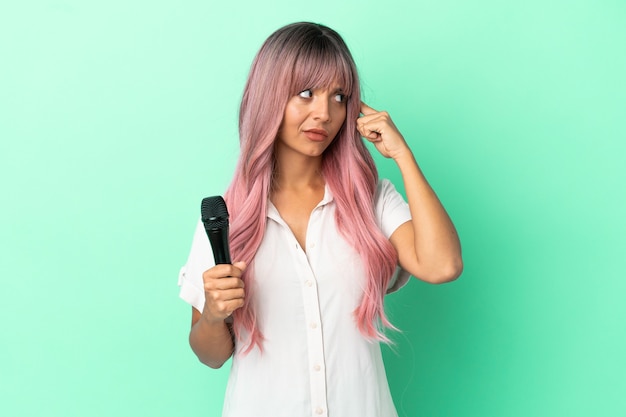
[317, 375]
[310, 295]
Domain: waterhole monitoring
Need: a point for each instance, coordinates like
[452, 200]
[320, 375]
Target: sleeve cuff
[189, 292]
[399, 279]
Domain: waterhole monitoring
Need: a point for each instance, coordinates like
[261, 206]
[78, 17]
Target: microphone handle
[219, 244]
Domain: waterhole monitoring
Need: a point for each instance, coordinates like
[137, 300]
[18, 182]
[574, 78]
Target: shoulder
[390, 207]
[386, 194]
[384, 187]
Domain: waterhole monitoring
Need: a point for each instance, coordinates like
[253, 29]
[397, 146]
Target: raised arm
[428, 246]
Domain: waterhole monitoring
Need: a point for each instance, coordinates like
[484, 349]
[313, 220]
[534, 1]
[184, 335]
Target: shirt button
[313, 325]
[317, 368]
[319, 410]
[311, 245]
[309, 283]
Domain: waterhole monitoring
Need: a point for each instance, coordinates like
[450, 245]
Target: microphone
[215, 219]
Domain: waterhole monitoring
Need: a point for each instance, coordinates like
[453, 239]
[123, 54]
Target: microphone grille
[214, 212]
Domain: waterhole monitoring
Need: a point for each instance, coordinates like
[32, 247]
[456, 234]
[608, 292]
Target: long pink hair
[294, 58]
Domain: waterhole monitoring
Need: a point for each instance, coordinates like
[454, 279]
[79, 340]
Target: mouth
[317, 135]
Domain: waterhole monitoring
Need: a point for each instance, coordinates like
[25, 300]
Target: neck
[297, 172]
[297, 177]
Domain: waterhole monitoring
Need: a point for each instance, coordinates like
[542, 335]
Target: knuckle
[206, 275]
[209, 285]
[225, 270]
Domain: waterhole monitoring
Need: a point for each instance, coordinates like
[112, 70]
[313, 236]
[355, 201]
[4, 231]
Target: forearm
[429, 247]
[437, 246]
[211, 341]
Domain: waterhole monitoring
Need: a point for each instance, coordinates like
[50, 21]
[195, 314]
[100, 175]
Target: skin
[298, 186]
[433, 255]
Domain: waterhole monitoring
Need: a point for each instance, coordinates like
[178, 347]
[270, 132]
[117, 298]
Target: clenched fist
[223, 291]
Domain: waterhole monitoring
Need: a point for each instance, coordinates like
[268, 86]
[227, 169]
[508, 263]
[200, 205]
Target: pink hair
[294, 58]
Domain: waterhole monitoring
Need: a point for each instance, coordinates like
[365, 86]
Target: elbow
[445, 273]
[211, 363]
[213, 358]
[209, 360]
[451, 273]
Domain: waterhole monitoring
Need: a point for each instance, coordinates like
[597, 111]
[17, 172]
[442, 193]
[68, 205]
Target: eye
[340, 98]
[306, 93]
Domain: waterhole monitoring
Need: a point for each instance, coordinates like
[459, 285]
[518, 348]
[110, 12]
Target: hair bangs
[322, 64]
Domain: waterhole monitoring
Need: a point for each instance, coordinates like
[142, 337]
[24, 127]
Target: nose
[321, 109]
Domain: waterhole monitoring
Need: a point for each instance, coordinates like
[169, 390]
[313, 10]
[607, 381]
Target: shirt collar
[272, 211]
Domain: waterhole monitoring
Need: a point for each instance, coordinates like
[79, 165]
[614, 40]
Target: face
[311, 121]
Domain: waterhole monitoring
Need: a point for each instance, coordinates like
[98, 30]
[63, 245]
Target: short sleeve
[391, 212]
[190, 276]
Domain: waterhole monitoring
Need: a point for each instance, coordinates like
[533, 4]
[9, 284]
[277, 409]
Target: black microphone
[215, 219]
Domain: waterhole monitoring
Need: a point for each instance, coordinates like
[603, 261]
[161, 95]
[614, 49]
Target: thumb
[241, 265]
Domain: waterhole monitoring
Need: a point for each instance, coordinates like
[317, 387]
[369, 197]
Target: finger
[240, 265]
[226, 295]
[218, 271]
[232, 305]
[370, 130]
[372, 135]
[235, 270]
[223, 271]
[367, 110]
[235, 294]
[224, 309]
[223, 284]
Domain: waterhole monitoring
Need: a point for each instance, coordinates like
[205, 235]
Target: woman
[317, 239]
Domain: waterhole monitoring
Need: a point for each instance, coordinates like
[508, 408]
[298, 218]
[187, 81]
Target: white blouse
[315, 361]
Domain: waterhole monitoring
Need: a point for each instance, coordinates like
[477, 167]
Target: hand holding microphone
[223, 287]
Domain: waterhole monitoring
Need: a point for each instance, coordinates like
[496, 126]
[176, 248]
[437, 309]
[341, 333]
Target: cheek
[293, 117]
[290, 114]
[340, 118]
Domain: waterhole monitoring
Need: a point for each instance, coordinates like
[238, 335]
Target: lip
[317, 135]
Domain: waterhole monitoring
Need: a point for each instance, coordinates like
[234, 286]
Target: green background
[117, 117]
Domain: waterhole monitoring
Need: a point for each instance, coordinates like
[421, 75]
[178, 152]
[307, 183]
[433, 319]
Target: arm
[433, 254]
[211, 338]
